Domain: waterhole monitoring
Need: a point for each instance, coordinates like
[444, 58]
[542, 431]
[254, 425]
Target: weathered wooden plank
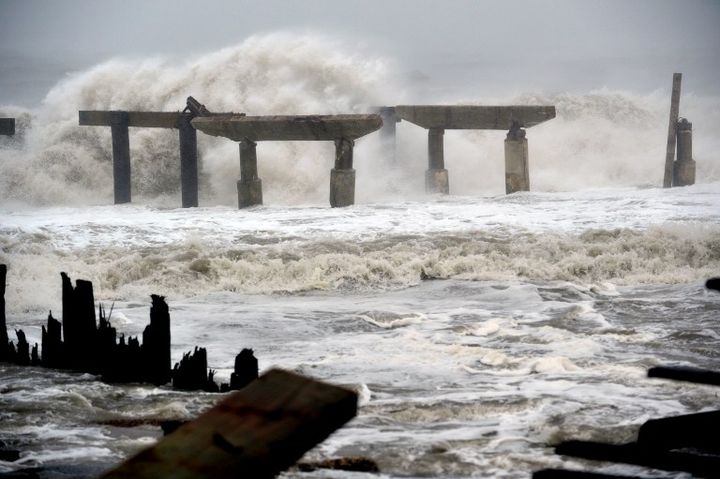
[570, 474]
[256, 432]
[469, 117]
[697, 464]
[692, 375]
[146, 119]
[698, 431]
[672, 133]
[7, 126]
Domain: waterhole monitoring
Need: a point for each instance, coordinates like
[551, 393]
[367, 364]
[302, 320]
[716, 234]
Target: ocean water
[543, 313]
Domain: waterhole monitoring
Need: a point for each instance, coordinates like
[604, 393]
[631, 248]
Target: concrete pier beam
[119, 122]
[188, 162]
[517, 170]
[684, 166]
[249, 185]
[342, 177]
[436, 176]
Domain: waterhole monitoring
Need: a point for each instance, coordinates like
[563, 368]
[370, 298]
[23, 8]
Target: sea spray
[601, 138]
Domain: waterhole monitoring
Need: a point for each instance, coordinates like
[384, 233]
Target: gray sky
[554, 44]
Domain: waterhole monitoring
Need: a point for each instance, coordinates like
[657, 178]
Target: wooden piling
[4, 340]
[256, 432]
[672, 127]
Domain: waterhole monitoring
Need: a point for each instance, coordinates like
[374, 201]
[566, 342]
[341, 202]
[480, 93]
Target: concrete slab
[288, 128]
[472, 117]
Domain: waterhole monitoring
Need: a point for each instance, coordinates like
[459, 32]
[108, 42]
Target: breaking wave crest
[182, 269]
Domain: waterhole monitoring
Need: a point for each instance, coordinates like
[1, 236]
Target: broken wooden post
[436, 176]
[684, 166]
[7, 126]
[256, 432]
[120, 156]
[674, 111]
[342, 177]
[78, 309]
[156, 343]
[246, 370]
[517, 170]
[249, 186]
[188, 161]
[52, 346]
[4, 340]
[191, 373]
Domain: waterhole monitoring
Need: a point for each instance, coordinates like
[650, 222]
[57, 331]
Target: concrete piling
[249, 186]
[388, 132]
[188, 162]
[342, 177]
[517, 170]
[684, 166]
[436, 176]
[119, 122]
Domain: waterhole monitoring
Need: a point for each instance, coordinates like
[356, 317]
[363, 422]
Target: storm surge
[600, 138]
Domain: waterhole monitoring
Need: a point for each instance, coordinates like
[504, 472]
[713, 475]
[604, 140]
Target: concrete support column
[517, 169]
[249, 186]
[121, 156]
[436, 176]
[342, 177]
[684, 166]
[388, 133]
[188, 162]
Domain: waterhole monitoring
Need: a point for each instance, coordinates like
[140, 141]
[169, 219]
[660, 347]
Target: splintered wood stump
[4, 340]
[256, 432]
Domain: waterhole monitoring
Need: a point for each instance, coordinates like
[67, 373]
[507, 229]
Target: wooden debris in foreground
[255, 433]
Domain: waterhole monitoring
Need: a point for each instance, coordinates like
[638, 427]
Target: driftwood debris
[686, 443]
[256, 432]
[86, 343]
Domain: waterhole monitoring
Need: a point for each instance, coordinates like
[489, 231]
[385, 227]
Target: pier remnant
[438, 118]
[120, 121]
[256, 432]
[247, 130]
[684, 166]
[672, 129]
[7, 126]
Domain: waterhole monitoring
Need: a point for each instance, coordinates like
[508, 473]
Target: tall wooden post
[672, 130]
[119, 121]
[4, 354]
[188, 161]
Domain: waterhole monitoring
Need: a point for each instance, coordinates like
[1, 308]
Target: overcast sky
[615, 43]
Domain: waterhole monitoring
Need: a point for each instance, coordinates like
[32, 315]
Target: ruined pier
[343, 130]
[119, 123]
[438, 118]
